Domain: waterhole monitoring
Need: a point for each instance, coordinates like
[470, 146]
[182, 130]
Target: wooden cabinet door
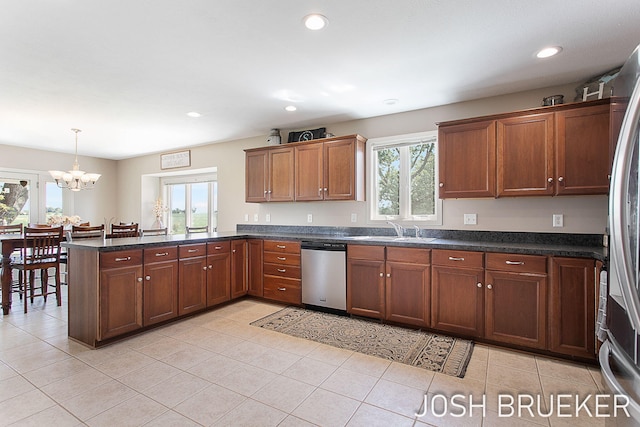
[120, 301]
[516, 308]
[281, 183]
[160, 291]
[218, 278]
[572, 307]
[457, 300]
[525, 155]
[365, 281]
[254, 264]
[238, 268]
[340, 170]
[192, 284]
[582, 145]
[467, 160]
[408, 293]
[309, 172]
[256, 176]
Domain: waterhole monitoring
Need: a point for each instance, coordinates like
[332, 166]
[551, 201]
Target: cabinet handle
[127, 258]
[319, 191]
[560, 179]
[281, 246]
[479, 285]
[514, 262]
[282, 270]
[282, 289]
[451, 258]
[381, 274]
[233, 251]
[147, 277]
[441, 184]
[282, 258]
[549, 180]
[325, 190]
[162, 253]
[139, 279]
[204, 268]
[265, 191]
[388, 274]
[210, 267]
[217, 248]
[489, 286]
[192, 250]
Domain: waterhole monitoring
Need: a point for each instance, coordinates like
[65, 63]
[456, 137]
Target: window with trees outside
[192, 203]
[403, 178]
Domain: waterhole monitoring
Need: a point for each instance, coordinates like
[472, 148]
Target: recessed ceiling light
[548, 51]
[194, 114]
[315, 21]
[290, 108]
[390, 101]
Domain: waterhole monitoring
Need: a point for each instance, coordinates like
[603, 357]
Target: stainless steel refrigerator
[620, 353]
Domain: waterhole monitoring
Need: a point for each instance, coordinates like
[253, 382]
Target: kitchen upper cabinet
[269, 175]
[550, 151]
[457, 294]
[192, 278]
[120, 293]
[525, 155]
[467, 159]
[582, 160]
[572, 307]
[160, 291]
[516, 299]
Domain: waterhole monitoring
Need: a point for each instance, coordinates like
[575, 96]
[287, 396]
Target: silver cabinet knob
[560, 179]
[549, 180]
[148, 277]
[381, 274]
[441, 184]
[489, 286]
[388, 274]
[139, 279]
[479, 285]
[204, 268]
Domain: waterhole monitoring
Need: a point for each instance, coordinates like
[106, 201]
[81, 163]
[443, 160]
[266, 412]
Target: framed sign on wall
[178, 159]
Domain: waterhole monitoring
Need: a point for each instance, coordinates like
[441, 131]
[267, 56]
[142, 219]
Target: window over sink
[403, 178]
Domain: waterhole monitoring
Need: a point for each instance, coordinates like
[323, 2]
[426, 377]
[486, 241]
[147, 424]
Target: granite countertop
[556, 244]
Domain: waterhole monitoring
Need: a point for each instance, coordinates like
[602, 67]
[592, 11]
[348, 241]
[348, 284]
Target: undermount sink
[395, 238]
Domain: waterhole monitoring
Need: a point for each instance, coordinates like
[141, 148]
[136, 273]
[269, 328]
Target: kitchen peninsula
[119, 287]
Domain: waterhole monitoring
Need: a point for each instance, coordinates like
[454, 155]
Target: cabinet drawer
[282, 289]
[218, 247]
[281, 258]
[190, 251]
[409, 255]
[120, 258]
[365, 252]
[290, 271]
[466, 259]
[517, 263]
[286, 246]
[164, 253]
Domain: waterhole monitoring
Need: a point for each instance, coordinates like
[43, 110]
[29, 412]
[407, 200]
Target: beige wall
[584, 214]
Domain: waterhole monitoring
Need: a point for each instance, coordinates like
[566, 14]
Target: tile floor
[216, 369]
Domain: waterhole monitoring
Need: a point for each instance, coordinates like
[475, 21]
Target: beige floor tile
[326, 408]
[124, 364]
[276, 361]
[6, 372]
[14, 386]
[252, 414]
[209, 405]
[525, 381]
[188, 357]
[409, 375]
[69, 346]
[136, 411]
[512, 359]
[294, 345]
[554, 386]
[449, 385]
[171, 419]
[56, 371]
[371, 416]
[565, 370]
[245, 351]
[53, 416]
[24, 405]
[328, 354]
[97, 400]
[310, 371]
[216, 367]
[283, 393]
[176, 389]
[246, 380]
[517, 401]
[102, 355]
[350, 383]
[441, 414]
[365, 364]
[493, 419]
[163, 347]
[149, 376]
[218, 342]
[292, 421]
[477, 369]
[75, 385]
[398, 398]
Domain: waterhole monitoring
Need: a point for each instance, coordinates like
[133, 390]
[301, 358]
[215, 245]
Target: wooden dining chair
[123, 230]
[155, 232]
[86, 232]
[40, 252]
[191, 230]
[15, 229]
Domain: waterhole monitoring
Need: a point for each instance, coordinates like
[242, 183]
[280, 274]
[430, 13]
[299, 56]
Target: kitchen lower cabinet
[238, 268]
[192, 278]
[516, 299]
[254, 267]
[365, 280]
[281, 268]
[120, 293]
[457, 292]
[160, 290]
[572, 307]
[218, 272]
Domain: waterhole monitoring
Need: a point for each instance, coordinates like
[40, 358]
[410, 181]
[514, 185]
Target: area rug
[439, 353]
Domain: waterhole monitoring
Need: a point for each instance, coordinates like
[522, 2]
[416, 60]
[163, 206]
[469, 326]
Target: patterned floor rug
[434, 352]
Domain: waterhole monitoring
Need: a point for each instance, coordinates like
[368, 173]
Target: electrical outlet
[558, 220]
[470, 219]
[267, 218]
[309, 218]
[246, 217]
[354, 217]
[255, 217]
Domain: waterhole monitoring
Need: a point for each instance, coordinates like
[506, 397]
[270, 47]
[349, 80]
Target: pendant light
[75, 179]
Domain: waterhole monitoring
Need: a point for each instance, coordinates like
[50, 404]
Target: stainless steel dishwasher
[324, 274]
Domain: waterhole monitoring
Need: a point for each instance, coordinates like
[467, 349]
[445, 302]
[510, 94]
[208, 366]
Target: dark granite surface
[557, 244]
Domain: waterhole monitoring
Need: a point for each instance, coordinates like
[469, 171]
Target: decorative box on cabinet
[281, 268]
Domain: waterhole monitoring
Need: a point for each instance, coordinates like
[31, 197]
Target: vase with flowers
[158, 211]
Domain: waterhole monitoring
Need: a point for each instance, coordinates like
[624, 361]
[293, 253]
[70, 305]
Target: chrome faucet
[399, 229]
[417, 231]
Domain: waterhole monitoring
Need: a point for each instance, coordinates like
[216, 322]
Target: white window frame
[187, 180]
[405, 216]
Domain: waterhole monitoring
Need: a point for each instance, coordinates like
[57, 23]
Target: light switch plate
[309, 218]
[354, 217]
[470, 219]
[558, 220]
[267, 218]
[246, 217]
[255, 217]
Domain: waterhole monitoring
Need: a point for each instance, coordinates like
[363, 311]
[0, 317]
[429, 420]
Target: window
[403, 178]
[193, 203]
[53, 200]
[17, 198]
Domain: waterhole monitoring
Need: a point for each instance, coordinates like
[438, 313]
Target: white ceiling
[126, 72]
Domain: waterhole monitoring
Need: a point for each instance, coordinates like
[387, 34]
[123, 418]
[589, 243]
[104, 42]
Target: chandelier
[75, 179]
